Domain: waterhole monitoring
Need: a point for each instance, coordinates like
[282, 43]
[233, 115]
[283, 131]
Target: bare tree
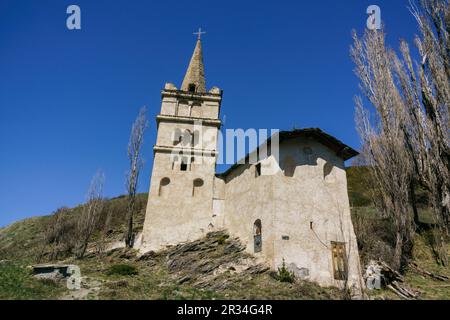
[58, 235]
[431, 108]
[390, 172]
[406, 141]
[89, 216]
[135, 161]
[383, 140]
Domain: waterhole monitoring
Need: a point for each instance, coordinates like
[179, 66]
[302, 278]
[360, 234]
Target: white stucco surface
[300, 197]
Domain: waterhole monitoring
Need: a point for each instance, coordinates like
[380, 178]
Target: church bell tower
[180, 199]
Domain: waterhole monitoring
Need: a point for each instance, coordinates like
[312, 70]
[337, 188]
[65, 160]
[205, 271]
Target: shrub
[375, 235]
[122, 270]
[117, 284]
[284, 275]
[222, 239]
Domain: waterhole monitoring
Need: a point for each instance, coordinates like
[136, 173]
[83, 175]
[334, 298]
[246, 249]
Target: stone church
[292, 206]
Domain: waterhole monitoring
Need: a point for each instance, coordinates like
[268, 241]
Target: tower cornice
[185, 151]
[206, 96]
[180, 119]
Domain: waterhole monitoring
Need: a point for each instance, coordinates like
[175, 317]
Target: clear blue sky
[68, 98]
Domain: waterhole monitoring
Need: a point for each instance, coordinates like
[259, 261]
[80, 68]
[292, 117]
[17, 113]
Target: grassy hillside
[16, 282]
[26, 239]
[376, 241]
[214, 267]
[227, 272]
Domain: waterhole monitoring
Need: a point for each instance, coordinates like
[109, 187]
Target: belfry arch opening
[191, 87]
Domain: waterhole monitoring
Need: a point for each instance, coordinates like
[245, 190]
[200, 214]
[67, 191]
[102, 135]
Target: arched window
[191, 87]
[163, 186]
[198, 183]
[257, 236]
[188, 138]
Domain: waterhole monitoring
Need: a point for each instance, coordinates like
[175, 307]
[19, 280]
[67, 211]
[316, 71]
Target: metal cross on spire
[199, 33]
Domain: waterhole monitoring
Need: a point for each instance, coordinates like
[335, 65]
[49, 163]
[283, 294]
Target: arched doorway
[257, 236]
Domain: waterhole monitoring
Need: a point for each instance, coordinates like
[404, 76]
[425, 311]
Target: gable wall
[287, 204]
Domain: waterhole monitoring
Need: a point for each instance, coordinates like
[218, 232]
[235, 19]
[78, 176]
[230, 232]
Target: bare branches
[59, 236]
[406, 141]
[91, 210]
[66, 234]
[135, 162]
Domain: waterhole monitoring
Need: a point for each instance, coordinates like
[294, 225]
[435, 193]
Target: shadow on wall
[292, 155]
[290, 162]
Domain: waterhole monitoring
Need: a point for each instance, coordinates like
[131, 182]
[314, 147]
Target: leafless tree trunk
[91, 210]
[56, 235]
[407, 141]
[383, 140]
[135, 161]
[434, 75]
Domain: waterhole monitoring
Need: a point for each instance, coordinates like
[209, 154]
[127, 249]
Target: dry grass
[21, 243]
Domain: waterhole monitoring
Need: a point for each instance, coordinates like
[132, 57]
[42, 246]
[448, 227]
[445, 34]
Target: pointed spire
[194, 80]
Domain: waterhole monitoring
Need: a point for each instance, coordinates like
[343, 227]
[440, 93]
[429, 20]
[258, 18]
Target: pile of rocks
[201, 262]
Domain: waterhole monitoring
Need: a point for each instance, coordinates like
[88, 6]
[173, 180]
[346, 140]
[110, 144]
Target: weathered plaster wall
[188, 105]
[177, 210]
[166, 131]
[317, 202]
[300, 196]
[247, 199]
[176, 215]
[301, 210]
